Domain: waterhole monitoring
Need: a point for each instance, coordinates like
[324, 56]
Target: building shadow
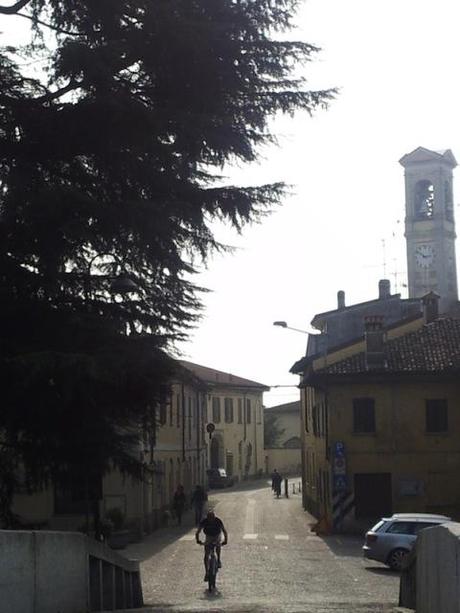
[161, 538]
[383, 571]
[344, 545]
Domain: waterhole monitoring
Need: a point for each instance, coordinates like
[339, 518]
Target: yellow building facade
[175, 450]
[234, 406]
[381, 425]
[284, 453]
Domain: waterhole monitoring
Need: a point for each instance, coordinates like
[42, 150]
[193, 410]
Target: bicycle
[212, 565]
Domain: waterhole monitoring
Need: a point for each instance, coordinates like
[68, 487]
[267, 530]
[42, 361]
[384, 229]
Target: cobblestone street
[272, 563]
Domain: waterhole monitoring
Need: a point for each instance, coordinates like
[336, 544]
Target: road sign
[339, 449]
[340, 483]
[210, 428]
[339, 466]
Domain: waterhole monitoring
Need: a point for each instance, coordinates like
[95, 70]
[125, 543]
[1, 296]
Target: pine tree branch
[60, 92]
[12, 10]
[48, 25]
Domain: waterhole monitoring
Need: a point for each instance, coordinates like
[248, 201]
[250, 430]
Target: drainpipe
[244, 417]
[183, 423]
[255, 442]
[198, 432]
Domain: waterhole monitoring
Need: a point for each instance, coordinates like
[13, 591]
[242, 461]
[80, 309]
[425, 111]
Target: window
[171, 411]
[421, 525]
[204, 409]
[240, 411]
[228, 410]
[248, 411]
[229, 463]
[189, 418]
[401, 527]
[424, 199]
[314, 418]
[216, 410]
[307, 400]
[363, 415]
[178, 406]
[162, 412]
[436, 415]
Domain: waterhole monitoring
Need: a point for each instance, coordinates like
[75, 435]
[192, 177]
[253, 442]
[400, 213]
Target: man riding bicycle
[213, 528]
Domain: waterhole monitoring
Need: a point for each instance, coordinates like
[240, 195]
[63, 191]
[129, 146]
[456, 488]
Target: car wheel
[396, 558]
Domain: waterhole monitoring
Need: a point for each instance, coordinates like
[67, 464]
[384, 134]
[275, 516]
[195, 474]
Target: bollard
[286, 486]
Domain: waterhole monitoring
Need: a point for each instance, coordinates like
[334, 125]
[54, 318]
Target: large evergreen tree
[110, 153]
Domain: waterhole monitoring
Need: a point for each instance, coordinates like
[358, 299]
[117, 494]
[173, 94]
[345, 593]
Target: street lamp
[283, 324]
[120, 283]
[123, 284]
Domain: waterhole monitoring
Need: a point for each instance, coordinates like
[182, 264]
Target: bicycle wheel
[212, 570]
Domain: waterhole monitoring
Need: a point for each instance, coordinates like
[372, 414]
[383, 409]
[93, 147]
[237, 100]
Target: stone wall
[438, 570]
[286, 461]
[63, 572]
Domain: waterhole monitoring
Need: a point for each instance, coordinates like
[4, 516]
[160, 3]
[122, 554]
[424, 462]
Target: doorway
[215, 452]
[373, 495]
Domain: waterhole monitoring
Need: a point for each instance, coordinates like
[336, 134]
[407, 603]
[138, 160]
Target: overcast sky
[396, 63]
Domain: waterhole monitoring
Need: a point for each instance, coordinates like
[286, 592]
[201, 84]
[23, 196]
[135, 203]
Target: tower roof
[421, 155]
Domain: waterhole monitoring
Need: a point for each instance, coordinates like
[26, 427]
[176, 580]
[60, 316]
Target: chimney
[384, 289]
[430, 304]
[340, 299]
[375, 342]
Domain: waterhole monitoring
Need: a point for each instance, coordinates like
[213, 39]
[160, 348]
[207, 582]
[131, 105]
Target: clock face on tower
[424, 255]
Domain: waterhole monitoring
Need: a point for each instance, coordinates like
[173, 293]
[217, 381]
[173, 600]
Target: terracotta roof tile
[435, 347]
[217, 377]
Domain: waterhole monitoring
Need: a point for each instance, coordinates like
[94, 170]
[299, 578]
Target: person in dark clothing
[276, 482]
[199, 497]
[213, 529]
[179, 503]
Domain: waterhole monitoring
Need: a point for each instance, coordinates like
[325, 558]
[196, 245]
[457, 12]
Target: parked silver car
[391, 539]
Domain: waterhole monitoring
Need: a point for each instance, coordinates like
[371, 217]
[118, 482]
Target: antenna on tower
[384, 259]
[397, 275]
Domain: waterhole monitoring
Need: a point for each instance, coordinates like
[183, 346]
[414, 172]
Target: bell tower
[430, 225]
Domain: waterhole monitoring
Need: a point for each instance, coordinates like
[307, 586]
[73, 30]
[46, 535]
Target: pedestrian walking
[199, 497]
[179, 503]
[276, 483]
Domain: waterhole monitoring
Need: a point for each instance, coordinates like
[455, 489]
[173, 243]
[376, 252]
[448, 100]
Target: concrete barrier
[438, 569]
[64, 572]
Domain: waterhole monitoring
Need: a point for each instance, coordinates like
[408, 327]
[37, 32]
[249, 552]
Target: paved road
[273, 563]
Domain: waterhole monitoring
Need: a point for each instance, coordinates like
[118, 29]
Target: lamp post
[283, 324]
[120, 283]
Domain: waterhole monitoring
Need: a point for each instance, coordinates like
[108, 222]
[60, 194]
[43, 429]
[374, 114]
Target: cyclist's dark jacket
[212, 527]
